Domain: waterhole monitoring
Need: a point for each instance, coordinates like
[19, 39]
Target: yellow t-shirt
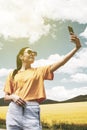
[29, 84]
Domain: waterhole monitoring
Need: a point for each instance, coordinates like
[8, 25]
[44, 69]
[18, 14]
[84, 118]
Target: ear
[21, 57]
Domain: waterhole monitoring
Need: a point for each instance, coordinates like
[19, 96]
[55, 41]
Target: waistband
[32, 103]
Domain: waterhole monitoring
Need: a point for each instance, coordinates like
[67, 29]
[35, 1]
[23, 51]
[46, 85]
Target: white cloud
[60, 93]
[1, 93]
[1, 83]
[4, 72]
[27, 18]
[20, 19]
[79, 77]
[51, 59]
[84, 34]
[1, 89]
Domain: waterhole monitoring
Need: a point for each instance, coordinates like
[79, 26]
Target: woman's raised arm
[68, 56]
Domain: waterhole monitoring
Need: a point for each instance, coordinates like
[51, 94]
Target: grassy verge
[54, 126]
[2, 123]
[64, 126]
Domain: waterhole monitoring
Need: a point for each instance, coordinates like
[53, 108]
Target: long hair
[18, 62]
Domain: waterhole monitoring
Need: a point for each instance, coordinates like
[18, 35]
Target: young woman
[24, 87]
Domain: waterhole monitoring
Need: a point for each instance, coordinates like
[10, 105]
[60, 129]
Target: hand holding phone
[70, 30]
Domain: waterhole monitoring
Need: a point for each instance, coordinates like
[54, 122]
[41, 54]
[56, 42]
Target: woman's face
[28, 56]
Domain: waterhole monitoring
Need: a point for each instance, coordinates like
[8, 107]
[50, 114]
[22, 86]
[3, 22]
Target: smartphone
[70, 30]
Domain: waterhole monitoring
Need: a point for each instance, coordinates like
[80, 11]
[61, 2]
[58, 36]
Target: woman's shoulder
[10, 74]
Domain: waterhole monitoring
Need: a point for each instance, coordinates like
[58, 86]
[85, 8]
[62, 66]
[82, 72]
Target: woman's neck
[25, 67]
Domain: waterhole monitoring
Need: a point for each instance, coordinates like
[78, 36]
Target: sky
[42, 25]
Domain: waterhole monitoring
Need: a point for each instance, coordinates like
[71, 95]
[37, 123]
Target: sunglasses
[32, 52]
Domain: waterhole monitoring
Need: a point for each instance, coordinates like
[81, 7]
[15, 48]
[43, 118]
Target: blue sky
[42, 25]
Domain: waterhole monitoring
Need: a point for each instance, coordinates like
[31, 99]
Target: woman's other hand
[18, 100]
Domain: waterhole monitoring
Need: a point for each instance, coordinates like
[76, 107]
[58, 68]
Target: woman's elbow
[6, 97]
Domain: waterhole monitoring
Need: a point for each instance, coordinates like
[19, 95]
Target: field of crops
[67, 113]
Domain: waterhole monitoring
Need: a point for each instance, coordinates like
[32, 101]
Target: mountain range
[80, 98]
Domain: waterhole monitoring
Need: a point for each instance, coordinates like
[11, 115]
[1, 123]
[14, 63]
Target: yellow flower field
[65, 113]
[3, 111]
[60, 113]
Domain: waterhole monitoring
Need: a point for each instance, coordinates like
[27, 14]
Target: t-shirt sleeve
[47, 74]
[8, 84]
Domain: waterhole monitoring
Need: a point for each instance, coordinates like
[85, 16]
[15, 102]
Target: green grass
[63, 126]
[54, 126]
[2, 123]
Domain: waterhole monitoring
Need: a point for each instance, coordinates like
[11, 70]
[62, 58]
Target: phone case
[70, 29]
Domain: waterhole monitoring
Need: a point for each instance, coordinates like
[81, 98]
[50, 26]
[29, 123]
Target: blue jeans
[23, 118]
